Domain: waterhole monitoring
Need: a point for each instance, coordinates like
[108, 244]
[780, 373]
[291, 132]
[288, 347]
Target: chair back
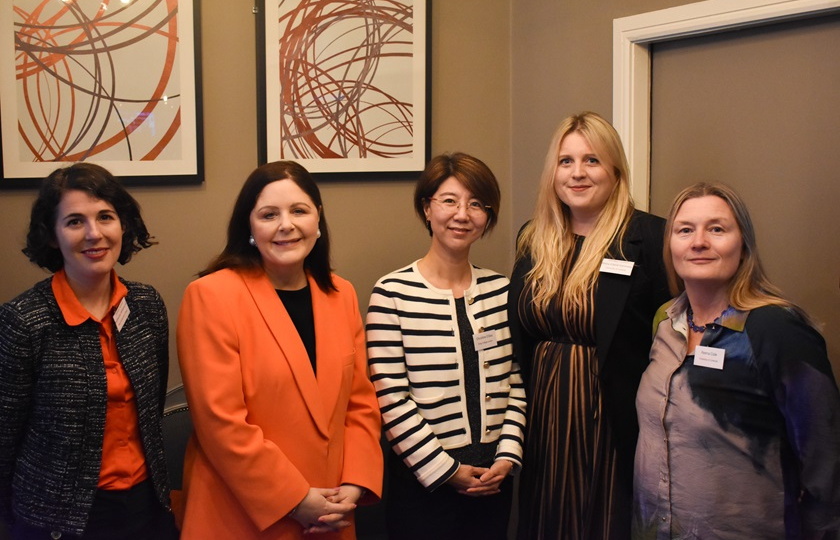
[177, 428]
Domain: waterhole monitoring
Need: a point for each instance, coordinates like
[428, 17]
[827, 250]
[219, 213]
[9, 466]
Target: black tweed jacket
[53, 396]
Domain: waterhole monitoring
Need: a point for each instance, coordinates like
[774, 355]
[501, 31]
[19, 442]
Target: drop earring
[252, 241]
[318, 234]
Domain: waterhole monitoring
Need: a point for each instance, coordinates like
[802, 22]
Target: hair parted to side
[548, 238]
[238, 254]
[41, 245]
[471, 172]
[749, 288]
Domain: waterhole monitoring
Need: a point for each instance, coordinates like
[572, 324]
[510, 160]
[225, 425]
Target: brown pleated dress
[568, 474]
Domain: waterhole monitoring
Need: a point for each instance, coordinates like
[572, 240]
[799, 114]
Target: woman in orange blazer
[272, 355]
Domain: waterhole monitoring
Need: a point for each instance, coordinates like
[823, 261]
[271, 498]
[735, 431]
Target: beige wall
[504, 72]
[562, 64]
[372, 223]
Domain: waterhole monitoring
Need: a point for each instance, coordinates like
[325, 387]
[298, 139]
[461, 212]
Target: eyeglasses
[473, 206]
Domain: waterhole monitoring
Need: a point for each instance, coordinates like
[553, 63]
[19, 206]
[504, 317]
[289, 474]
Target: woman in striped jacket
[449, 389]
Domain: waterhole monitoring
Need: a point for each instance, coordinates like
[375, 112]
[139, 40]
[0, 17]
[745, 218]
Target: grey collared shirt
[750, 450]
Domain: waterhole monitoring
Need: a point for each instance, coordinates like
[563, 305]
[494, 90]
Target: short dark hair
[471, 172]
[239, 254]
[41, 246]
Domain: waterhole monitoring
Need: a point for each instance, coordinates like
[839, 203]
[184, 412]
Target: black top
[476, 453]
[299, 306]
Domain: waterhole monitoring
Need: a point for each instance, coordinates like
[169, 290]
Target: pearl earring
[319, 233]
[252, 241]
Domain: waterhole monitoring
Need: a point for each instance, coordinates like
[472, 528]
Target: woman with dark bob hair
[84, 359]
[41, 247]
[739, 412]
[272, 354]
[450, 391]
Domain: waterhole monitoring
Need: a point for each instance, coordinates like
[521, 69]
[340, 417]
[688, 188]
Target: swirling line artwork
[346, 85]
[97, 80]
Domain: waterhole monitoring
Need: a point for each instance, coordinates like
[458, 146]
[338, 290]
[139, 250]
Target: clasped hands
[480, 481]
[325, 509]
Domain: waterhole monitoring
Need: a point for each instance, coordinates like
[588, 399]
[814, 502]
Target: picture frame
[114, 82]
[344, 86]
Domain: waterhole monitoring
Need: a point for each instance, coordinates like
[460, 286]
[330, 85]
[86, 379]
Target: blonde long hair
[749, 288]
[548, 237]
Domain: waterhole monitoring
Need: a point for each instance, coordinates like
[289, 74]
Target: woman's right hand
[317, 514]
[467, 477]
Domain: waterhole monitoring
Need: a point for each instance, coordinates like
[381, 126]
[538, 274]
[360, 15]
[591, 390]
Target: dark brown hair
[239, 254]
[471, 172]
[41, 247]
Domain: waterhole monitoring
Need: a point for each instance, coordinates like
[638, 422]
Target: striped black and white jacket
[414, 351]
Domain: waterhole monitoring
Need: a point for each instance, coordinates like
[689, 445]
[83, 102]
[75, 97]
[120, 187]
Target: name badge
[615, 266]
[710, 357]
[121, 314]
[484, 340]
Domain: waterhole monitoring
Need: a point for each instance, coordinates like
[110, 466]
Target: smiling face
[284, 224]
[582, 182]
[706, 243]
[88, 232]
[455, 225]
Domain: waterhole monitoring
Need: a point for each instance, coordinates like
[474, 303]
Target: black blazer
[53, 396]
[624, 310]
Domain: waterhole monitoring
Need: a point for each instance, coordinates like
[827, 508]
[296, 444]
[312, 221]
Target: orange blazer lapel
[288, 341]
[333, 333]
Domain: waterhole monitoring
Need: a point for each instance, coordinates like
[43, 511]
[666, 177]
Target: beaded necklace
[701, 329]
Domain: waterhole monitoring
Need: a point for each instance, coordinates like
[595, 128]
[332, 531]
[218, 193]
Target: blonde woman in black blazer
[586, 284]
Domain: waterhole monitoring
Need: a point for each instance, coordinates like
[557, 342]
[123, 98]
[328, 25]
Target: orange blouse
[123, 460]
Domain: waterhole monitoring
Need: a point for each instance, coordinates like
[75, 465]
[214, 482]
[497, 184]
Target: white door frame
[632, 38]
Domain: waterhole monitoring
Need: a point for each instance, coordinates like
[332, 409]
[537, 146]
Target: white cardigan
[414, 351]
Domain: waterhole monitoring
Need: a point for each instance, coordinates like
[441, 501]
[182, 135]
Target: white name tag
[615, 266]
[121, 314]
[710, 357]
[484, 340]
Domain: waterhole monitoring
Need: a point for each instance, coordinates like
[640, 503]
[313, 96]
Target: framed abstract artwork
[115, 82]
[344, 86]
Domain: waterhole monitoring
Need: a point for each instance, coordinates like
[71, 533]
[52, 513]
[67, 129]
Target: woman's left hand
[348, 493]
[492, 479]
